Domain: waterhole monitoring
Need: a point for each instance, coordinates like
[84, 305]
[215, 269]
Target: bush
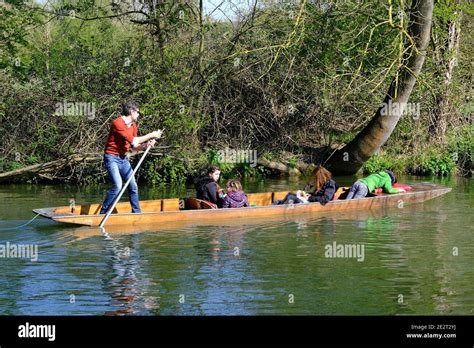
[461, 146]
[432, 163]
[381, 162]
[166, 170]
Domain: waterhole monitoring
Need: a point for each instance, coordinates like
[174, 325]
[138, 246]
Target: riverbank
[174, 166]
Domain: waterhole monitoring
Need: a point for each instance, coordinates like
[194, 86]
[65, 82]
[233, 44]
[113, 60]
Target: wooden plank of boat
[172, 210]
[237, 226]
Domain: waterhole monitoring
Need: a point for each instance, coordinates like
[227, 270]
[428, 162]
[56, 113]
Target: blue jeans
[358, 190]
[119, 170]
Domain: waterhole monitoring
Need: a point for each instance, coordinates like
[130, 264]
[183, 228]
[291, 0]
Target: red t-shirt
[120, 137]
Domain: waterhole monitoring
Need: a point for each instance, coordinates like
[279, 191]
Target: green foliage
[267, 82]
[14, 26]
[256, 172]
[227, 169]
[165, 170]
[433, 162]
[7, 165]
[292, 162]
[383, 161]
[461, 147]
[237, 170]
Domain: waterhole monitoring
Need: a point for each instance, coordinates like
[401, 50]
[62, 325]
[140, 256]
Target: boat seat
[170, 204]
[194, 203]
[261, 198]
[90, 209]
[124, 207]
[208, 205]
[83, 209]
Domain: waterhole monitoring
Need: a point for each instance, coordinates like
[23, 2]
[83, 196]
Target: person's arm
[212, 190]
[387, 187]
[225, 203]
[137, 141]
[143, 147]
[133, 139]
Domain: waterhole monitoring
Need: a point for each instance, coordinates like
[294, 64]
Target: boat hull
[420, 193]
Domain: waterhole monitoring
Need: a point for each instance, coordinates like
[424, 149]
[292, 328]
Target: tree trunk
[447, 59]
[201, 36]
[280, 167]
[351, 157]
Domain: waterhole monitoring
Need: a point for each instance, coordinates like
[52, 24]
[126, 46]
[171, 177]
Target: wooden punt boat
[166, 211]
[232, 227]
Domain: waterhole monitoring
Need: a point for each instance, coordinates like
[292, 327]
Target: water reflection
[247, 267]
[121, 281]
[125, 282]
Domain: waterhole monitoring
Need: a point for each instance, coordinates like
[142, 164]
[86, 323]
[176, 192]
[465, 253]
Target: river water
[416, 259]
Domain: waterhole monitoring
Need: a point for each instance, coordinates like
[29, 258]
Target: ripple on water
[252, 267]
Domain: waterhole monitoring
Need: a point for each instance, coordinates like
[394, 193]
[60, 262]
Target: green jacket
[380, 179]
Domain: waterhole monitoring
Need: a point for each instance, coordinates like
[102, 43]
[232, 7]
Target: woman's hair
[321, 175]
[212, 168]
[234, 185]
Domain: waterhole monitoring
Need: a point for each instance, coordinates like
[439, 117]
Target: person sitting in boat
[384, 180]
[321, 190]
[236, 197]
[207, 188]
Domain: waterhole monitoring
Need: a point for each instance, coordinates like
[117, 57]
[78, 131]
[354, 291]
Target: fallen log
[292, 171]
[48, 170]
[43, 169]
[301, 168]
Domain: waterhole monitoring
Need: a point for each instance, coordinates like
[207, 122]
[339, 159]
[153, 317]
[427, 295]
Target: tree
[445, 46]
[352, 156]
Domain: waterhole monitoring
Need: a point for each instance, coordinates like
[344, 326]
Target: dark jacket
[235, 200]
[206, 189]
[325, 194]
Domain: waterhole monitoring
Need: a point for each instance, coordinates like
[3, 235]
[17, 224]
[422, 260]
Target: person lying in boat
[207, 188]
[384, 180]
[321, 190]
[236, 197]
